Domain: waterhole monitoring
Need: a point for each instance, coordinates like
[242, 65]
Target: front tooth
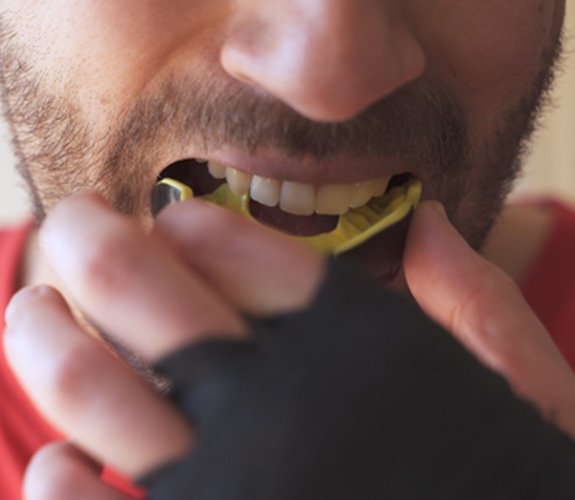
[297, 198]
[216, 170]
[333, 199]
[238, 182]
[265, 191]
[380, 186]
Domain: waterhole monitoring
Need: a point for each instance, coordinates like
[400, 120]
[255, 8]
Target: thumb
[483, 307]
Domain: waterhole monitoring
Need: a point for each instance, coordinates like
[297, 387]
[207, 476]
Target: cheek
[491, 52]
[105, 52]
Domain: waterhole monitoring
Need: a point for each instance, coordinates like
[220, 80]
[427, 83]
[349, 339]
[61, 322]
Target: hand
[195, 277]
[72, 361]
[486, 311]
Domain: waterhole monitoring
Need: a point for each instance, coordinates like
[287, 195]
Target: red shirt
[549, 289]
[22, 429]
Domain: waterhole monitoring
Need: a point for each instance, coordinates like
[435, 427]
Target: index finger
[257, 269]
[129, 284]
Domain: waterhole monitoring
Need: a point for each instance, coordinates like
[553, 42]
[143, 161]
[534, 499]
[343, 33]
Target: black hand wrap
[358, 397]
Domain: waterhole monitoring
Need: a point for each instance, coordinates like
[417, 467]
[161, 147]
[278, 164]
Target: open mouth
[332, 218]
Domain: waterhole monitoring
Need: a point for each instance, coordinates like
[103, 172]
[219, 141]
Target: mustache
[420, 123]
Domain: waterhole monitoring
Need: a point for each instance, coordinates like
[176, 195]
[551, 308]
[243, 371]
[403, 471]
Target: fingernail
[431, 238]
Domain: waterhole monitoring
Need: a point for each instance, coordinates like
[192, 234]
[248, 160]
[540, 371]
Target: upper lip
[278, 165]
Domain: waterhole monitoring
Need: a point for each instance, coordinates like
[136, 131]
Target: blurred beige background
[550, 169]
[13, 201]
[551, 165]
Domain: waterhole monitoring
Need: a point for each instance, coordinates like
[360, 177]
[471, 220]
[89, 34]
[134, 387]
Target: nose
[327, 59]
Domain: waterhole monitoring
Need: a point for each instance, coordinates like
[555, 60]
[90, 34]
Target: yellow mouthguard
[354, 227]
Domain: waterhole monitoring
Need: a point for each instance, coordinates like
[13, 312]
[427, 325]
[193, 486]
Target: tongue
[295, 225]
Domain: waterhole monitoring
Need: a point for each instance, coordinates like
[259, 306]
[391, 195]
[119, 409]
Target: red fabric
[549, 288]
[22, 429]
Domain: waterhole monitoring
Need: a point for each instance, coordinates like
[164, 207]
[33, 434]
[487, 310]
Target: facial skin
[104, 94]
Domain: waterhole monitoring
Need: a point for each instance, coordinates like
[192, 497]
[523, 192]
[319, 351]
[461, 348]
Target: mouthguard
[353, 229]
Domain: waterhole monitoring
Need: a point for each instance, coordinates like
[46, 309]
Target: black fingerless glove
[359, 397]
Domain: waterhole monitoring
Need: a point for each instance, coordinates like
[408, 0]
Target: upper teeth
[299, 198]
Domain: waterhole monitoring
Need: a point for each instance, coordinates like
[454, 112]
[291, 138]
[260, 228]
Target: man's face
[296, 94]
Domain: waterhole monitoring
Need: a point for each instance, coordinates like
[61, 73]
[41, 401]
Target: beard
[423, 124]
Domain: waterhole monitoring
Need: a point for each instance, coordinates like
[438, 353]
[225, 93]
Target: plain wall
[551, 166]
[13, 198]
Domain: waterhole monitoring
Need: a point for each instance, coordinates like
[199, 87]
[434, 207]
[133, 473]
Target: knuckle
[108, 263]
[69, 381]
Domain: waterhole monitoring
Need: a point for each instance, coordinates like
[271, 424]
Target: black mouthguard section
[164, 195]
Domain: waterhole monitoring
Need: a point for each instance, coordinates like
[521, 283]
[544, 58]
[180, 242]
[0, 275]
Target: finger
[259, 270]
[484, 308]
[61, 472]
[129, 283]
[86, 392]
